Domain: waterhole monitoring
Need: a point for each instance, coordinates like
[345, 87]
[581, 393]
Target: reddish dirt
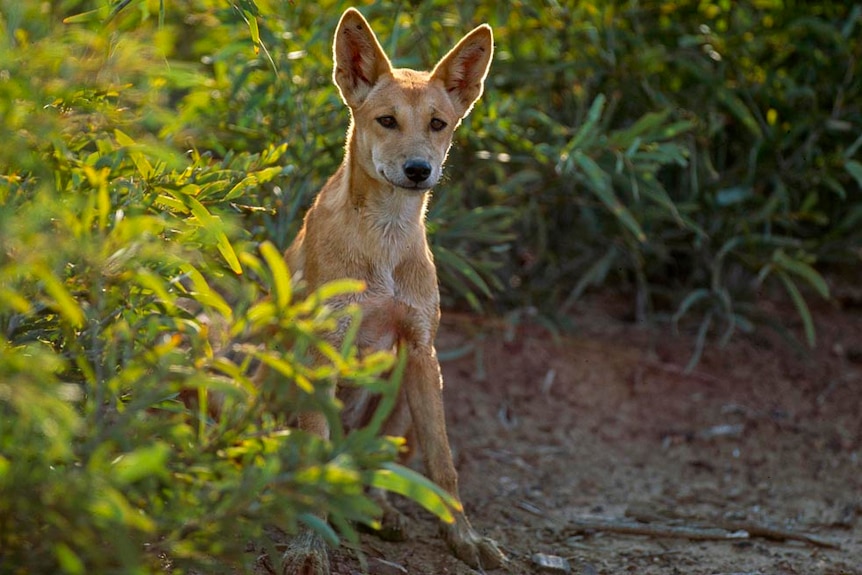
[549, 430]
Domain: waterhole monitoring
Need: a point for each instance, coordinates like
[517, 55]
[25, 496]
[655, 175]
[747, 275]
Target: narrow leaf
[204, 293]
[321, 527]
[464, 268]
[803, 270]
[854, 168]
[599, 184]
[143, 462]
[145, 169]
[586, 130]
[222, 242]
[404, 481]
[337, 288]
[280, 274]
[692, 298]
[63, 300]
[801, 307]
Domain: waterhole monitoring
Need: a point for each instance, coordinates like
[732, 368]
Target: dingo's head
[403, 120]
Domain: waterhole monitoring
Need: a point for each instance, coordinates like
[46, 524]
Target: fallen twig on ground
[721, 530]
[653, 530]
[647, 514]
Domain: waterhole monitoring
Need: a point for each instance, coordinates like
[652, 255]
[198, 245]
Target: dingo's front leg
[424, 388]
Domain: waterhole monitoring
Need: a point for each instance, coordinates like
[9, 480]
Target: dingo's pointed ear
[359, 59]
[464, 68]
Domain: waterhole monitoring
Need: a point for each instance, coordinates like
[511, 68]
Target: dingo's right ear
[359, 59]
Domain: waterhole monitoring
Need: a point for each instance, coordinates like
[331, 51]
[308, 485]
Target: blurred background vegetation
[699, 156]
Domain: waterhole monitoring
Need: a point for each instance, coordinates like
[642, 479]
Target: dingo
[368, 223]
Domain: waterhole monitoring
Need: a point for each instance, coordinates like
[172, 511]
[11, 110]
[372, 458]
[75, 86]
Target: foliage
[158, 156]
[664, 145]
[131, 302]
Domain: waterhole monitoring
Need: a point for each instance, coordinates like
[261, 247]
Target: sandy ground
[605, 425]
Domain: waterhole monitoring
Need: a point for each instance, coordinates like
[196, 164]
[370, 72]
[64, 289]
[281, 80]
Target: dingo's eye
[388, 122]
[437, 124]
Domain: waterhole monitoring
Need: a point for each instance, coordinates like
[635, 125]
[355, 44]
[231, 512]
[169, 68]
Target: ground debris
[551, 563]
[650, 514]
[652, 523]
[378, 566]
[627, 527]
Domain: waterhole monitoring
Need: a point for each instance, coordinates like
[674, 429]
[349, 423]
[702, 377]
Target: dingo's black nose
[417, 170]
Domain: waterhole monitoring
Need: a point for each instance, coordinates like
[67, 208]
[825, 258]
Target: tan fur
[368, 223]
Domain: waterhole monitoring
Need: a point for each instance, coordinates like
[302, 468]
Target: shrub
[128, 282]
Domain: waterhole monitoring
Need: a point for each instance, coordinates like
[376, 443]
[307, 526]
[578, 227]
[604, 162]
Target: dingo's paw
[473, 549]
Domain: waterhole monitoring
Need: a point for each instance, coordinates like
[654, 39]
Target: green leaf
[204, 293]
[404, 481]
[69, 561]
[149, 280]
[143, 462]
[222, 242]
[145, 169]
[463, 267]
[692, 298]
[280, 274]
[854, 168]
[587, 129]
[803, 270]
[675, 129]
[599, 183]
[88, 16]
[700, 341]
[646, 123]
[336, 288]
[13, 300]
[595, 275]
[254, 30]
[287, 369]
[63, 300]
[240, 188]
[113, 506]
[733, 195]
[172, 203]
[801, 306]
[321, 527]
[739, 110]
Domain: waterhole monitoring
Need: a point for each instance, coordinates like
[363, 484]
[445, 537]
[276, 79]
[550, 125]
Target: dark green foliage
[700, 152]
[158, 156]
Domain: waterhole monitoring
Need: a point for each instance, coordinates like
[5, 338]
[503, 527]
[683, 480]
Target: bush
[128, 283]
[701, 153]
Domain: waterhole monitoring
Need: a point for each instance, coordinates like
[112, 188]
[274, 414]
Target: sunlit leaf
[280, 274]
[148, 461]
[406, 482]
[139, 159]
[213, 222]
[69, 561]
[63, 300]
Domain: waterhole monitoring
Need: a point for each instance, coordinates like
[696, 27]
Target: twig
[721, 530]
[776, 533]
[754, 529]
[654, 530]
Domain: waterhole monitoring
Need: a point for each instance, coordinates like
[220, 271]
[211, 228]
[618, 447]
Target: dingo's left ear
[359, 59]
[464, 68]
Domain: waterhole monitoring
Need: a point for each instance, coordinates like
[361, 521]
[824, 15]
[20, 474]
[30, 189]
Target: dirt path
[606, 423]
